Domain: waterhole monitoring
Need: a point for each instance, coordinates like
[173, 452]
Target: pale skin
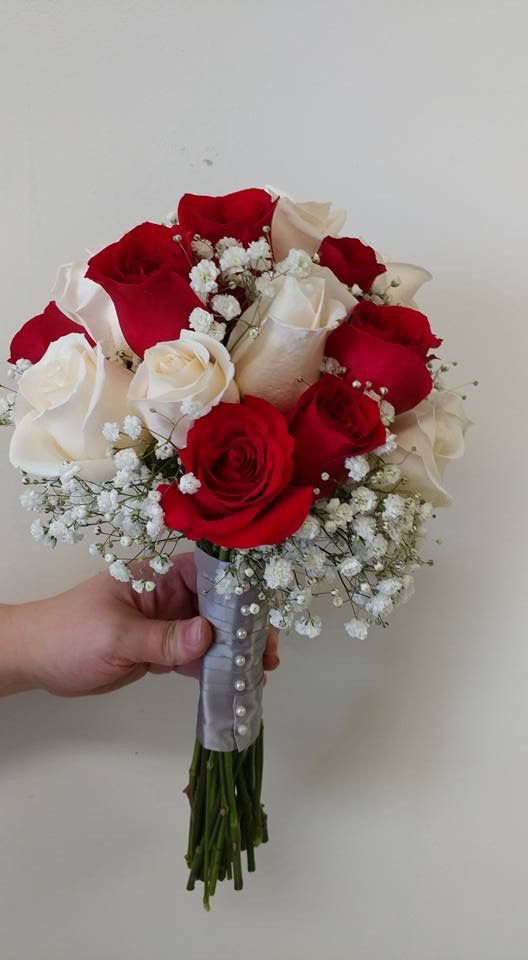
[101, 636]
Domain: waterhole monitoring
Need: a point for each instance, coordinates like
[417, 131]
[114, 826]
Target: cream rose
[410, 278]
[62, 404]
[428, 438]
[302, 225]
[88, 304]
[294, 325]
[179, 381]
[334, 289]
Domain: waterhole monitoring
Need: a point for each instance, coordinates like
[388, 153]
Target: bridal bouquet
[243, 377]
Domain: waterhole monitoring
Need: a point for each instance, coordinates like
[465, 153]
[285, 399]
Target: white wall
[397, 770]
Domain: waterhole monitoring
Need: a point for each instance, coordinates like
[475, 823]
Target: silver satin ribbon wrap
[218, 725]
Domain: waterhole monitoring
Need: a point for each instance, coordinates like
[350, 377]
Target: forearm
[15, 671]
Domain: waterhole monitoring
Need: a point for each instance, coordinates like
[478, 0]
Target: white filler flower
[189, 483]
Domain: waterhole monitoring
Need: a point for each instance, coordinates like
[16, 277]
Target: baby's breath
[360, 547]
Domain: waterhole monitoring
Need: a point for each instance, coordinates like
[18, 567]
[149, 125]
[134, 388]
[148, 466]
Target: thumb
[170, 643]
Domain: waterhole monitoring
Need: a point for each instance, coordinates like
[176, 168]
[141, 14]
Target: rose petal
[385, 364]
[351, 260]
[244, 529]
[86, 302]
[34, 338]
[146, 275]
[240, 215]
[332, 421]
[411, 279]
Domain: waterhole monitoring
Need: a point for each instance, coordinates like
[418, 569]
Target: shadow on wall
[156, 713]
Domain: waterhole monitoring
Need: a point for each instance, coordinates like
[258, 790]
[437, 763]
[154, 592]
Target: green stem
[247, 821]
[258, 812]
[210, 787]
[219, 846]
[193, 777]
[234, 825]
[196, 809]
[195, 766]
[226, 815]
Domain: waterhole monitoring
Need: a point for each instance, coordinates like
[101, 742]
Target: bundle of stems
[227, 816]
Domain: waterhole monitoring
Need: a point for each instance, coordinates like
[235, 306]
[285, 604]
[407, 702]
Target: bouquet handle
[231, 681]
[225, 776]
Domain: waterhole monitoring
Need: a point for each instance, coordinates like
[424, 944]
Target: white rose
[410, 278]
[295, 323]
[88, 304]
[435, 428]
[302, 225]
[334, 288]
[62, 403]
[179, 381]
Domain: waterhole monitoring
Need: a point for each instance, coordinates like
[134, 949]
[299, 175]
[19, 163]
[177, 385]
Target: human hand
[101, 635]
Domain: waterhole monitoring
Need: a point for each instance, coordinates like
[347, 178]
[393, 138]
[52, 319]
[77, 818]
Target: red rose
[332, 421]
[351, 261]
[387, 345]
[241, 215]
[146, 273]
[396, 324]
[34, 338]
[242, 454]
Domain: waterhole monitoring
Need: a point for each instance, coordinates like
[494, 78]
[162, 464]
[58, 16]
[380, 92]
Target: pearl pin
[241, 633]
[245, 610]
[241, 711]
[240, 660]
[240, 685]
[242, 729]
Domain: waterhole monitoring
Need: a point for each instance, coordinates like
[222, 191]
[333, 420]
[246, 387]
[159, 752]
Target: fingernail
[194, 636]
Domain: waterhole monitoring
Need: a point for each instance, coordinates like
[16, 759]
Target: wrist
[15, 661]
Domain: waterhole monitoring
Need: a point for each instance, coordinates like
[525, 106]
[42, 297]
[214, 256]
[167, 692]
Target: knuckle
[167, 641]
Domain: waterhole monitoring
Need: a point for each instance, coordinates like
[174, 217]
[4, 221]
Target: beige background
[397, 769]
